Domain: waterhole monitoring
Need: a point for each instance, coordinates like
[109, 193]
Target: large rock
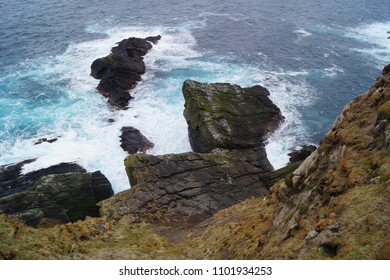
[58, 198]
[227, 126]
[120, 71]
[12, 180]
[227, 116]
[132, 140]
[182, 189]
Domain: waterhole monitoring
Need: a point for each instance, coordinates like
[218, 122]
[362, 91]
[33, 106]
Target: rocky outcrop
[132, 140]
[12, 180]
[302, 153]
[335, 205]
[227, 116]
[120, 71]
[183, 189]
[60, 193]
[58, 198]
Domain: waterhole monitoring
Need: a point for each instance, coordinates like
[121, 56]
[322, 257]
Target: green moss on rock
[227, 116]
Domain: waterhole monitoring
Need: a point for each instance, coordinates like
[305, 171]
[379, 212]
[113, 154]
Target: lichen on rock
[227, 116]
[58, 198]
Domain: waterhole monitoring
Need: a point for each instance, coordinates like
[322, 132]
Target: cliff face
[334, 205]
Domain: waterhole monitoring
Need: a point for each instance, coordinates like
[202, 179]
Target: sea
[314, 56]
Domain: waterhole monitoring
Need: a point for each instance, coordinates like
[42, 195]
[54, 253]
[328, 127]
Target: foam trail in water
[288, 93]
[377, 35]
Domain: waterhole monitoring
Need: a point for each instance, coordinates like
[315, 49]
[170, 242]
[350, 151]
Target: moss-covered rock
[183, 189]
[227, 116]
[58, 198]
[335, 205]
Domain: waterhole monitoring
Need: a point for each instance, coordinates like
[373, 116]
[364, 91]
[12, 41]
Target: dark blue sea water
[314, 57]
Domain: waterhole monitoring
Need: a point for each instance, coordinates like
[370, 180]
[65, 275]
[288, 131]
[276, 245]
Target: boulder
[183, 189]
[120, 71]
[227, 116]
[58, 198]
[12, 180]
[132, 140]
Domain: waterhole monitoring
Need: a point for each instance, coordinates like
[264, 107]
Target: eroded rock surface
[132, 140]
[120, 71]
[227, 116]
[12, 180]
[58, 198]
[182, 189]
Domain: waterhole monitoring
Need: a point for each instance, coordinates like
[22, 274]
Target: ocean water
[313, 56]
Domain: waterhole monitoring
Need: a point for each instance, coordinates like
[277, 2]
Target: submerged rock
[132, 140]
[120, 71]
[58, 198]
[42, 140]
[182, 189]
[227, 116]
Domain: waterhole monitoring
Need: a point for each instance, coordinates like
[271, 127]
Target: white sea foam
[333, 70]
[301, 32]
[80, 120]
[375, 34]
[288, 93]
[233, 17]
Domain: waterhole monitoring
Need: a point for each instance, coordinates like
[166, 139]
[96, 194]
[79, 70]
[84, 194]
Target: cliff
[335, 205]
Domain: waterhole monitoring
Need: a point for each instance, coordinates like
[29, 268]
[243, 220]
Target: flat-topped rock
[183, 189]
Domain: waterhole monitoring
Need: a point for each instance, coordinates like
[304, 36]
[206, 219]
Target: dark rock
[11, 171]
[153, 39]
[386, 69]
[120, 71]
[40, 141]
[227, 116]
[302, 153]
[132, 141]
[63, 198]
[12, 181]
[101, 187]
[182, 189]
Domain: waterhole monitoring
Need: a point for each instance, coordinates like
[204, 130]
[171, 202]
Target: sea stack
[121, 70]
